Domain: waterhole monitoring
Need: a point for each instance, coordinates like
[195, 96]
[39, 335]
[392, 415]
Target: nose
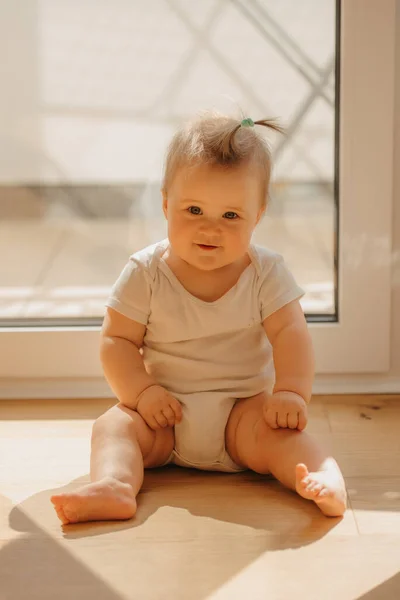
[210, 230]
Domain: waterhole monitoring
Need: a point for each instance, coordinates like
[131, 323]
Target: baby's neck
[203, 284]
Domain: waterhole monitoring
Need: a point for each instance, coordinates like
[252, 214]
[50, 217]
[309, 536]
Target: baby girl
[204, 341]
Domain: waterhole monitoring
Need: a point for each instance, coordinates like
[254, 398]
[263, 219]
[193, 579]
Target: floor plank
[375, 503]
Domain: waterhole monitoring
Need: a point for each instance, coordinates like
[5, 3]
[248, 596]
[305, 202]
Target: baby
[204, 341]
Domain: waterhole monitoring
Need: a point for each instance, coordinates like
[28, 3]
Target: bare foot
[326, 488]
[104, 500]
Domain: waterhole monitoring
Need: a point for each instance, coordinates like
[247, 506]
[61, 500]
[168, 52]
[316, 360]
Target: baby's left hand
[285, 409]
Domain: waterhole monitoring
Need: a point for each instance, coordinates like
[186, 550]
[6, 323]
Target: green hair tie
[247, 122]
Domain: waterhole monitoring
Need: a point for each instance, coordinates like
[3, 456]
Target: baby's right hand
[158, 408]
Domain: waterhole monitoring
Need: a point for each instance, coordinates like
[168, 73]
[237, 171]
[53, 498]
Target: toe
[57, 499]
[319, 487]
[314, 487]
[301, 471]
[325, 493]
[60, 503]
[61, 515]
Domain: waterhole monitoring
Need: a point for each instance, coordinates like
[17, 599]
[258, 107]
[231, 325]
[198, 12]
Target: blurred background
[92, 92]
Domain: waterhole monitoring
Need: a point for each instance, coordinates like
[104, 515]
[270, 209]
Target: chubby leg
[292, 456]
[122, 446]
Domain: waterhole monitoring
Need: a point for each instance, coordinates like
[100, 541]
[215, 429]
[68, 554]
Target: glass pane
[90, 99]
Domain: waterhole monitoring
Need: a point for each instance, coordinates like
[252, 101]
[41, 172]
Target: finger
[302, 420]
[293, 420]
[169, 415]
[151, 422]
[177, 408]
[270, 419]
[282, 420]
[161, 420]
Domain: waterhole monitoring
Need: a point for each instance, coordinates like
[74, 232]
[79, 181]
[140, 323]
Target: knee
[120, 422]
[117, 419]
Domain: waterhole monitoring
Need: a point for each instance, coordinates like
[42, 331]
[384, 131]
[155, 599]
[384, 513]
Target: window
[80, 182]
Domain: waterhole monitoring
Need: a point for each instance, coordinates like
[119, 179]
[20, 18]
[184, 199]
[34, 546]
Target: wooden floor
[200, 535]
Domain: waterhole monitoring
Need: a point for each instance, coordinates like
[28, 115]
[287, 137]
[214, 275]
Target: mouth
[207, 247]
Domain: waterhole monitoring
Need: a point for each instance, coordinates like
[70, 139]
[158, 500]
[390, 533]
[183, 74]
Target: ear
[165, 202]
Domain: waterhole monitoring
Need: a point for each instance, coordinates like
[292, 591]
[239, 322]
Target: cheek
[240, 236]
[180, 225]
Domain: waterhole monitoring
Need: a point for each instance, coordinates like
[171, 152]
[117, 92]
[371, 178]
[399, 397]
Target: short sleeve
[278, 288]
[131, 293]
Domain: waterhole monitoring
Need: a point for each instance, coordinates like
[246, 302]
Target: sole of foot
[104, 500]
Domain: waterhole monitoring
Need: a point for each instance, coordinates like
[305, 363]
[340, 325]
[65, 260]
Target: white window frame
[64, 361]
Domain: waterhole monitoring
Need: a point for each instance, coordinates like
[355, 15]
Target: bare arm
[292, 350]
[124, 370]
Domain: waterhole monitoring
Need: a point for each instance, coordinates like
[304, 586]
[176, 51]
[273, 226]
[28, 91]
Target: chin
[213, 267]
[210, 264]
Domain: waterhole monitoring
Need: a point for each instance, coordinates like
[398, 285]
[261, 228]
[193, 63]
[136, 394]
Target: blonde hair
[219, 140]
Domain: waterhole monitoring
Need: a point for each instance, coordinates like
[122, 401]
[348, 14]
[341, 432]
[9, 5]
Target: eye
[231, 215]
[194, 210]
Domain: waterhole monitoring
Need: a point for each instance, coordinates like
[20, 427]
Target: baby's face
[212, 213]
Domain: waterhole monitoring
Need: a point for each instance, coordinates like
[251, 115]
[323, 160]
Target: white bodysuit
[206, 354]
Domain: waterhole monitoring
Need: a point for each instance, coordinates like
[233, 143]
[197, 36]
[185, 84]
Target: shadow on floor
[182, 529]
[388, 590]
